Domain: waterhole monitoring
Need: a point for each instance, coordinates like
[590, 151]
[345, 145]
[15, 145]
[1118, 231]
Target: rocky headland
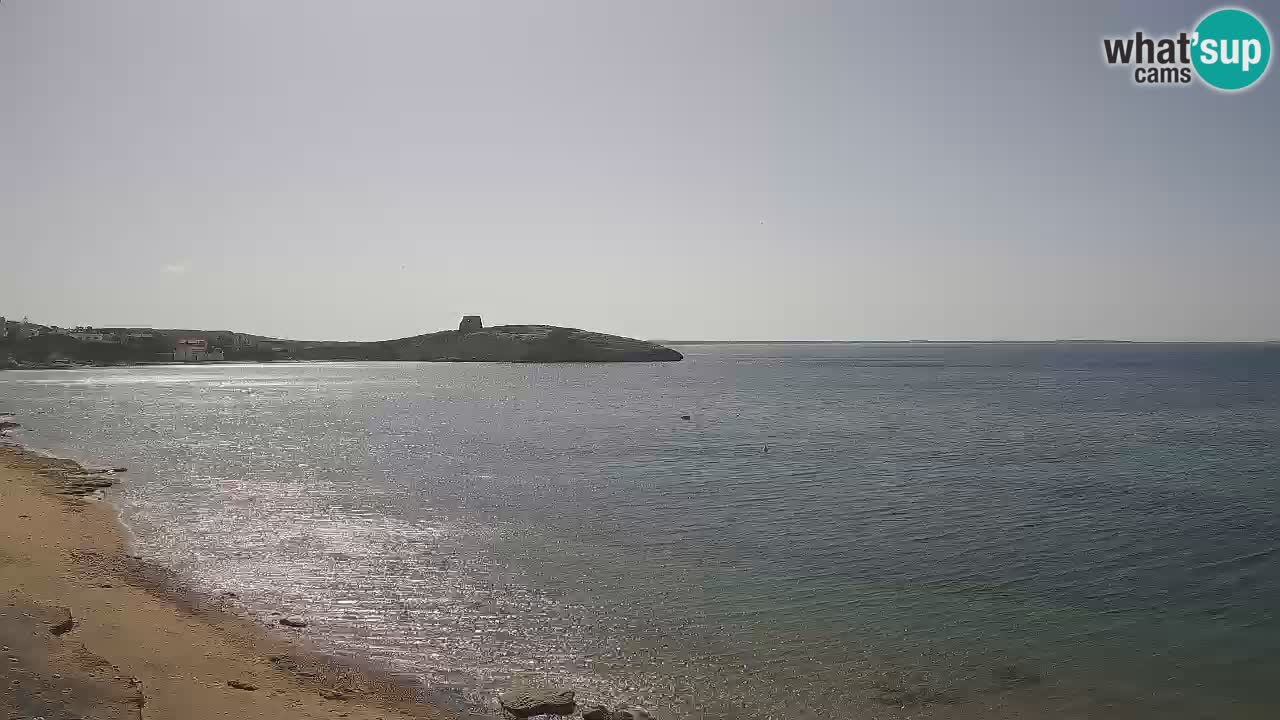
[38, 346]
[472, 342]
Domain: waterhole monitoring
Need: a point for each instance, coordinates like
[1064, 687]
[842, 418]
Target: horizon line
[953, 341]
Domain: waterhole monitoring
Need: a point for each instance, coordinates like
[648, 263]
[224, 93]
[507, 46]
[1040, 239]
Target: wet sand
[89, 631]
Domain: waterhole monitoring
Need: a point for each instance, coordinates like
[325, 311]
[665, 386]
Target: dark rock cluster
[524, 702]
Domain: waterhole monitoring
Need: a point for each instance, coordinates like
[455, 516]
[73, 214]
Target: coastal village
[24, 344]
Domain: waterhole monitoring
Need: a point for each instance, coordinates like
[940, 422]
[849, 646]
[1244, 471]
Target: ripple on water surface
[985, 531]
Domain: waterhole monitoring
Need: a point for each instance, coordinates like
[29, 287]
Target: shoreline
[132, 640]
[898, 687]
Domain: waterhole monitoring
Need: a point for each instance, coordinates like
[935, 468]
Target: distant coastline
[25, 345]
[968, 342]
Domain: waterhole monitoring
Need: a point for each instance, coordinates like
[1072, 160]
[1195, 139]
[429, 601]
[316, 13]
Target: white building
[195, 350]
[91, 335]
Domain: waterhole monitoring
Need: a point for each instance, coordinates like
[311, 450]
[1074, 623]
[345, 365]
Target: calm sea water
[870, 531]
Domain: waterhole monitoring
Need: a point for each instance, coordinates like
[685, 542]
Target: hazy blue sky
[786, 170]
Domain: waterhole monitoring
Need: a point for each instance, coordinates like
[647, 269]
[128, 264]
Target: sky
[784, 170]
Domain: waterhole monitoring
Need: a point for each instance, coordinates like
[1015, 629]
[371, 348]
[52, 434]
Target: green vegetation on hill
[471, 343]
[53, 349]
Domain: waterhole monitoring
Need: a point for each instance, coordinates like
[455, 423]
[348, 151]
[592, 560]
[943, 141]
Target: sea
[850, 530]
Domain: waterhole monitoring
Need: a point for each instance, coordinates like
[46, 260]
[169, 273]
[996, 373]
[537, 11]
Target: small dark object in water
[1015, 675]
[684, 417]
[909, 694]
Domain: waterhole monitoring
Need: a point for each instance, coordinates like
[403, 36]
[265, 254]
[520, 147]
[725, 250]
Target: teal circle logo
[1231, 49]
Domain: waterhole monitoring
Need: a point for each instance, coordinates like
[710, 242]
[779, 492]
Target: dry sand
[133, 647]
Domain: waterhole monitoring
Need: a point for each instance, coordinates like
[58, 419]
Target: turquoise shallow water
[866, 530]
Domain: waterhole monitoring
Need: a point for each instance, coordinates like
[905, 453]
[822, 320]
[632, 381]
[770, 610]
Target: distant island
[30, 345]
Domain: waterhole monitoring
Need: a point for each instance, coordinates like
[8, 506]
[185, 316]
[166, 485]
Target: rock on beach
[527, 702]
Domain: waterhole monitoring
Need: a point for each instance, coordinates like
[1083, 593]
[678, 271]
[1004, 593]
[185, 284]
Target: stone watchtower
[470, 323]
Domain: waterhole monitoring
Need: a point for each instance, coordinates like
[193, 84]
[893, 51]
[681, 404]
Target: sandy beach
[89, 631]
